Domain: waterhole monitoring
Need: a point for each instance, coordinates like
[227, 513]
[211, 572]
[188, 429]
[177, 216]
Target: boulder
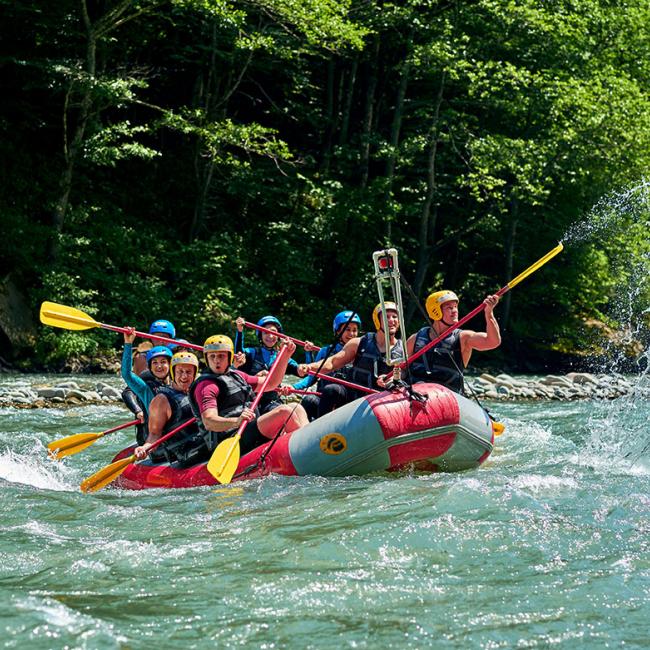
[52, 393]
[582, 378]
[110, 392]
[70, 385]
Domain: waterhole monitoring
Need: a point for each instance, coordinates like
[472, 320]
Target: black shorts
[250, 438]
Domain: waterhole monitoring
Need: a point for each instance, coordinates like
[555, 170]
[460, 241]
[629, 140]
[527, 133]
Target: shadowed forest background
[201, 159]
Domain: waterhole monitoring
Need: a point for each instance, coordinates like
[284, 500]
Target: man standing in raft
[366, 354]
[169, 409]
[444, 362]
[221, 398]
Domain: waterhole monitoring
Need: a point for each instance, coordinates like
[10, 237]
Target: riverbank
[41, 392]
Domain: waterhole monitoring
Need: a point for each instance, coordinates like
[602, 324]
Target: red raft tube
[383, 431]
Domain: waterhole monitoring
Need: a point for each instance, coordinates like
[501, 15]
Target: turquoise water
[546, 545]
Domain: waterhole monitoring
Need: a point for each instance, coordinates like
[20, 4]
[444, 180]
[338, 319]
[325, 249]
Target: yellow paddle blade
[224, 460]
[533, 267]
[68, 318]
[72, 444]
[498, 428]
[106, 475]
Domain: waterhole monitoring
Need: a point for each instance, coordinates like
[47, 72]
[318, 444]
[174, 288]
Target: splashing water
[612, 214]
[619, 431]
[619, 225]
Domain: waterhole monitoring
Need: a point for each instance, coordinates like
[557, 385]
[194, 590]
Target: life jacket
[369, 361]
[442, 364]
[256, 363]
[152, 381]
[235, 394]
[181, 407]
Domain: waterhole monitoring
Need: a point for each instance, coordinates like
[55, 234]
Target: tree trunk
[71, 149]
[396, 127]
[330, 120]
[429, 214]
[112, 19]
[510, 249]
[213, 107]
[366, 128]
[347, 107]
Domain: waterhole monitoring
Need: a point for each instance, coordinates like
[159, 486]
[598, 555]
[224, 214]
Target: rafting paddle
[280, 335]
[70, 318]
[225, 458]
[343, 382]
[531, 269]
[109, 473]
[63, 447]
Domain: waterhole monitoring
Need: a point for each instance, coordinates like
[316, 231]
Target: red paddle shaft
[121, 426]
[167, 436]
[146, 335]
[348, 384]
[282, 357]
[259, 328]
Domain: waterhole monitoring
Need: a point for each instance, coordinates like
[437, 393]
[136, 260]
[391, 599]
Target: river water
[546, 545]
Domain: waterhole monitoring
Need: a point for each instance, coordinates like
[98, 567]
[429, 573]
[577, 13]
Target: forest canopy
[200, 159]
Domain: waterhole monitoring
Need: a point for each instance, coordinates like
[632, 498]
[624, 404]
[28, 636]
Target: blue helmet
[162, 327]
[265, 321]
[179, 344]
[158, 351]
[343, 317]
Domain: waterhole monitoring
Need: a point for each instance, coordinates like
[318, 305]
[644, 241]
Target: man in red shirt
[221, 398]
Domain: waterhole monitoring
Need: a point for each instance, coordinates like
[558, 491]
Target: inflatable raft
[383, 431]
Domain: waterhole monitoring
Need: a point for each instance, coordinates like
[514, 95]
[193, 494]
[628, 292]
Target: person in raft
[346, 325]
[444, 362]
[169, 409]
[221, 398]
[143, 388]
[260, 358]
[366, 354]
[141, 362]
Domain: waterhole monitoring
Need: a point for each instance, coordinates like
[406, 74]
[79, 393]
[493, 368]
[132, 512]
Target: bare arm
[482, 341]
[159, 414]
[336, 361]
[214, 422]
[410, 345]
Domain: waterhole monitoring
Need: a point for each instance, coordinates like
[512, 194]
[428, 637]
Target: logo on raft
[333, 443]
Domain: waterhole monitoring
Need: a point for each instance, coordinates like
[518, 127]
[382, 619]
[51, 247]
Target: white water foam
[35, 471]
[58, 619]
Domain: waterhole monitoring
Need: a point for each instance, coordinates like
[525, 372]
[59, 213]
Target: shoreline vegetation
[195, 161]
[502, 387]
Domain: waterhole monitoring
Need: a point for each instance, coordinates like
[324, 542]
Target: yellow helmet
[435, 302]
[377, 310]
[183, 358]
[219, 343]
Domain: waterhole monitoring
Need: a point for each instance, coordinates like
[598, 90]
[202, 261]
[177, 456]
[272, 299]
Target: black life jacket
[181, 407]
[152, 381]
[340, 373]
[235, 394]
[255, 363]
[442, 364]
[369, 361]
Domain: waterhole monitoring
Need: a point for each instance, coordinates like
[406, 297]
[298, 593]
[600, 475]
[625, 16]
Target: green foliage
[248, 157]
